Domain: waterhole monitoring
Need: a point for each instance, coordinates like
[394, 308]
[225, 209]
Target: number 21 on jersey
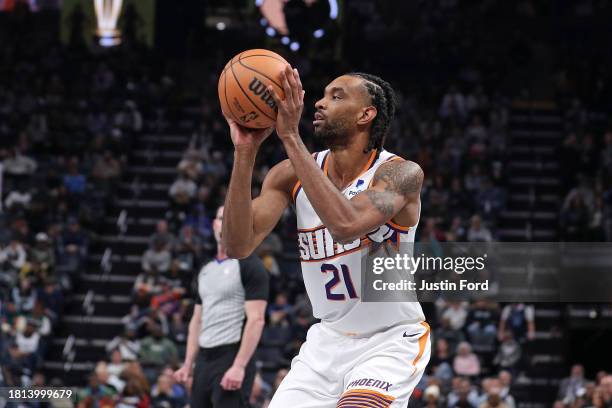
[336, 279]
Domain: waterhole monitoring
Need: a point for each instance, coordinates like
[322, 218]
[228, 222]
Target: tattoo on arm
[381, 200]
[399, 178]
[402, 178]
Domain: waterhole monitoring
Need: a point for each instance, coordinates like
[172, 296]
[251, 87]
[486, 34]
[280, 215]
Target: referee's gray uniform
[222, 287]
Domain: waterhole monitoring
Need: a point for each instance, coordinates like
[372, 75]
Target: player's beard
[333, 133]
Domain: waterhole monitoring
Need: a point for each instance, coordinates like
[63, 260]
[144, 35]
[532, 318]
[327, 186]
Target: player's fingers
[298, 81]
[286, 85]
[277, 99]
[295, 91]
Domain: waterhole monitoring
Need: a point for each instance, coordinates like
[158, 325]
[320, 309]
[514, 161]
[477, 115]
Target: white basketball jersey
[332, 271]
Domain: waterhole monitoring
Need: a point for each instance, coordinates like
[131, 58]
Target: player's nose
[320, 105]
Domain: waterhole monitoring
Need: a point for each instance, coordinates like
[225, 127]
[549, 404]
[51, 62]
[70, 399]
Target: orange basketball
[243, 87]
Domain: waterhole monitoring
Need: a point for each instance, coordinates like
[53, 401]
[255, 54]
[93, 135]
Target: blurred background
[114, 158]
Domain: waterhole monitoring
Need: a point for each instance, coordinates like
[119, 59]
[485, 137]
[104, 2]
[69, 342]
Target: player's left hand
[232, 379]
[290, 108]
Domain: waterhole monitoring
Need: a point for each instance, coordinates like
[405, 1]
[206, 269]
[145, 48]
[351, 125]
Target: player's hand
[289, 109]
[182, 374]
[232, 379]
[242, 136]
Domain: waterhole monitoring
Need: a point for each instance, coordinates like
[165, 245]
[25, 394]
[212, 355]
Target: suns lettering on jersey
[317, 244]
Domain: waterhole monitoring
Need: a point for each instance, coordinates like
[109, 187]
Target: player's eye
[336, 97]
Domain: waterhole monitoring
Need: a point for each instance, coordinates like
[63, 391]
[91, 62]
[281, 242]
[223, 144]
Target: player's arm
[191, 352]
[246, 222]
[394, 193]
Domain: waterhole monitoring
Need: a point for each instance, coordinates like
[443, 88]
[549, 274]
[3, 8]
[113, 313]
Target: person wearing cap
[41, 256]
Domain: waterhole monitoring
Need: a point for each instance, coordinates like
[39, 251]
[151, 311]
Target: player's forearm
[192, 342]
[250, 339]
[238, 233]
[336, 211]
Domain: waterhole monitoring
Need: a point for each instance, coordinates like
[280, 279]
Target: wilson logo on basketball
[249, 117]
[259, 89]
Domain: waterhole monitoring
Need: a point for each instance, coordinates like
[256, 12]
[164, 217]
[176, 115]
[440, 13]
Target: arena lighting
[295, 46]
[221, 26]
[107, 14]
[271, 31]
[274, 17]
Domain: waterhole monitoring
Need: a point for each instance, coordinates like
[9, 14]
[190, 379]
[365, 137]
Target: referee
[220, 341]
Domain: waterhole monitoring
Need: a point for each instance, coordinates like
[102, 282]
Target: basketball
[243, 87]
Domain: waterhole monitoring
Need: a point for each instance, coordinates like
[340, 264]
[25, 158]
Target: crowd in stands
[65, 131]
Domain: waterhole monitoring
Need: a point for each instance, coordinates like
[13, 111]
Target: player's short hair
[383, 99]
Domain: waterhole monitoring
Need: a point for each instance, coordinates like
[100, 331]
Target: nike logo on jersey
[410, 335]
[370, 382]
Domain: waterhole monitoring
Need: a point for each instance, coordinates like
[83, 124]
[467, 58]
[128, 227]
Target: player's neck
[221, 253]
[347, 163]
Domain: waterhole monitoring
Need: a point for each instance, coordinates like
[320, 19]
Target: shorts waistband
[354, 335]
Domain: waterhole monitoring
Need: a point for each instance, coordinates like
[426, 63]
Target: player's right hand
[182, 374]
[242, 136]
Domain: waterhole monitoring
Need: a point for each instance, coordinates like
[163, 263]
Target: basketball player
[360, 354]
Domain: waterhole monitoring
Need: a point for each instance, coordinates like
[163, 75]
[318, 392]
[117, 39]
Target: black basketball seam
[260, 73]
[229, 105]
[245, 94]
[229, 64]
[263, 55]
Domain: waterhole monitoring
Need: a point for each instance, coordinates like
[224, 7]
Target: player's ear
[367, 115]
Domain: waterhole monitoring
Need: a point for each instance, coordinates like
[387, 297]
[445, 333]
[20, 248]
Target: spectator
[163, 395]
[431, 397]
[95, 394]
[279, 311]
[477, 232]
[42, 257]
[509, 352]
[462, 394]
[24, 296]
[163, 236]
[494, 399]
[52, 299]
[466, 363]
[26, 351]
[451, 336]
[570, 386]
[519, 319]
[156, 259]
[156, 351]
[183, 190]
[456, 313]
[13, 257]
[74, 181]
[74, 245]
[128, 344]
[188, 249]
[106, 170]
[115, 367]
[482, 325]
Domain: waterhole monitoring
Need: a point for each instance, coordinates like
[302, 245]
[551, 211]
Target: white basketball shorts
[333, 370]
